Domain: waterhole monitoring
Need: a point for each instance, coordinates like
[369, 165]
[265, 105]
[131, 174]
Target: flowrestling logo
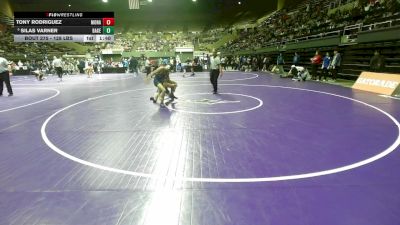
[67, 15]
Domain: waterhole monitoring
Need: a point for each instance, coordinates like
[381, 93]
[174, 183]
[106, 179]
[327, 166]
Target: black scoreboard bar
[64, 26]
[63, 14]
[59, 30]
[59, 22]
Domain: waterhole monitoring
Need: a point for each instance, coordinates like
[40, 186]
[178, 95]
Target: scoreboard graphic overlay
[64, 26]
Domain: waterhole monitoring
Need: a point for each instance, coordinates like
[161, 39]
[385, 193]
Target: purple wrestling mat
[265, 150]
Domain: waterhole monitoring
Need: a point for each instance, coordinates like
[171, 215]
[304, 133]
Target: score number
[108, 30]
[108, 21]
[108, 24]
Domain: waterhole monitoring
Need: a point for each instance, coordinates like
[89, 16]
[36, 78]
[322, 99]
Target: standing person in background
[279, 63]
[171, 63]
[241, 62]
[160, 62]
[254, 64]
[81, 66]
[147, 66]
[215, 71]
[174, 63]
[248, 63]
[165, 61]
[223, 63]
[237, 63]
[264, 63]
[133, 66]
[315, 62]
[260, 62]
[296, 59]
[377, 63]
[5, 73]
[125, 65]
[57, 64]
[178, 64]
[195, 63]
[336, 63]
[325, 66]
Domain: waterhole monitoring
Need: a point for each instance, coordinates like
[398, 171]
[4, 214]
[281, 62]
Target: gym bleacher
[357, 33]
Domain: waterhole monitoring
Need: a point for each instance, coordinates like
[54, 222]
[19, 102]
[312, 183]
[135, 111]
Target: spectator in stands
[377, 63]
[315, 62]
[336, 64]
[296, 59]
[5, 73]
[392, 6]
[325, 66]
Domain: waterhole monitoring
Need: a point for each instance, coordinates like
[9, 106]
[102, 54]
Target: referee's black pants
[214, 74]
[59, 71]
[5, 77]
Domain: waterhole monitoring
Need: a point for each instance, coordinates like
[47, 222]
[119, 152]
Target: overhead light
[105, 1]
[69, 5]
[239, 3]
[194, 0]
[150, 0]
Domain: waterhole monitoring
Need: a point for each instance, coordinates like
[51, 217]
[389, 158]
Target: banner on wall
[381, 83]
[184, 49]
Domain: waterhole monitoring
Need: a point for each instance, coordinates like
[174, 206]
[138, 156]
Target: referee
[216, 71]
[57, 64]
[5, 73]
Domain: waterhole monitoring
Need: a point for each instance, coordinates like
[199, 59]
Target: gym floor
[264, 151]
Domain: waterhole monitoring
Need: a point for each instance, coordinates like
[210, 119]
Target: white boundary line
[33, 103]
[74, 82]
[384, 153]
[260, 103]
[207, 79]
[391, 97]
